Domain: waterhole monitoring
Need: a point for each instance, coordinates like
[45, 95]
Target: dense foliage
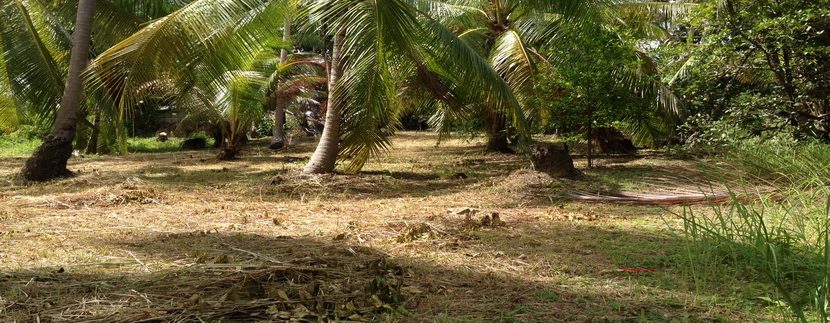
[752, 69]
[687, 72]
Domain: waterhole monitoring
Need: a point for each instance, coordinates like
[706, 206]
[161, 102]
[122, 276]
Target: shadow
[243, 277]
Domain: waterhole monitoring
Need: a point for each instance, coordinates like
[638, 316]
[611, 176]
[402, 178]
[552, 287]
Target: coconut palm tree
[508, 34]
[36, 41]
[516, 37]
[386, 44]
[278, 139]
[35, 45]
[204, 40]
[375, 43]
[49, 160]
[294, 79]
[325, 155]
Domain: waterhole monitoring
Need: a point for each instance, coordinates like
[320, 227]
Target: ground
[181, 236]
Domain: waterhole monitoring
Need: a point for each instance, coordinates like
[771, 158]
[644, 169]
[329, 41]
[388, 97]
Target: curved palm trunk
[325, 156]
[49, 160]
[278, 141]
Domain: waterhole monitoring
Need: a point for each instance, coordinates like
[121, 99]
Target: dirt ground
[184, 237]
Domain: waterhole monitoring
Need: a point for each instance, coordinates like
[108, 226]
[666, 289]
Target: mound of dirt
[525, 180]
[131, 191]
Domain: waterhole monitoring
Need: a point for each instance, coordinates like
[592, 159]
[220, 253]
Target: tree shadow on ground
[202, 276]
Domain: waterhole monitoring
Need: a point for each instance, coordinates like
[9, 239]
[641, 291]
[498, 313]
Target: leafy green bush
[29, 132]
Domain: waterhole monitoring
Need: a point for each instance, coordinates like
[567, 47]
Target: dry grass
[183, 237]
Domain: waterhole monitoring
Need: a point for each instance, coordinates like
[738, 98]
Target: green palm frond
[10, 110]
[300, 72]
[209, 36]
[387, 41]
[472, 73]
[111, 23]
[645, 129]
[514, 61]
[651, 87]
[685, 63]
[204, 38]
[233, 100]
[668, 10]
[147, 10]
[34, 63]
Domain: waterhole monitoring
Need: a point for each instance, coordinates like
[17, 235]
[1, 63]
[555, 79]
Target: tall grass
[781, 239]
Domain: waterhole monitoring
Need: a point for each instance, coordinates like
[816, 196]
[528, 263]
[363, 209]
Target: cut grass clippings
[182, 236]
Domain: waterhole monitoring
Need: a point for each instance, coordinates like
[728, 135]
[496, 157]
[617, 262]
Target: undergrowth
[17, 147]
[151, 145]
[781, 238]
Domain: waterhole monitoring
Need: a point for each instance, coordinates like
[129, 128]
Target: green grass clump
[781, 240]
[151, 145]
[17, 147]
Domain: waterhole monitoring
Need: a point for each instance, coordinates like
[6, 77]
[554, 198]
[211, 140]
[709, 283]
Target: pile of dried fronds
[218, 287]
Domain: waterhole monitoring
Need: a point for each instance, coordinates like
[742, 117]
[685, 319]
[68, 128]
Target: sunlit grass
[152, 145]
[15, 147]
[18, 147]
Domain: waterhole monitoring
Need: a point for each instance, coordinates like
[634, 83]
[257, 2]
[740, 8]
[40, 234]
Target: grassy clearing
[182, 235]
[17, 147]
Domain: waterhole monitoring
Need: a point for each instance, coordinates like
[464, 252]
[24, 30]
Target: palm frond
[646, 129]
[205, 38]
[32, 69]
[512, 59]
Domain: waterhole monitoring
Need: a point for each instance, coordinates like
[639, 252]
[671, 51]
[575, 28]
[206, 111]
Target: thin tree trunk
[49, 160]
[278, 141]
[325, 156]
[590, 136]
[92, 146]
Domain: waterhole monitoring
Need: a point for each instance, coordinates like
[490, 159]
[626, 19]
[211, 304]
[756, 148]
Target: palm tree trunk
[497, 137]
[325, 156]
[92, 146]
[278, 141]
[49, 160]
[230, 146]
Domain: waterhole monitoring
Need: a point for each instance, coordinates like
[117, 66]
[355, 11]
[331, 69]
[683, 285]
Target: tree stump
[553, 159]
[611, 141]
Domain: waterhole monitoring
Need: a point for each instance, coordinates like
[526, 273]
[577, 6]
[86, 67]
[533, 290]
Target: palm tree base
[228, 154]
[277, 145]
[49, 161]
[499, 144]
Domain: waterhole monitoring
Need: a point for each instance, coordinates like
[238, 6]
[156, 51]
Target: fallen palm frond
[231, 284]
